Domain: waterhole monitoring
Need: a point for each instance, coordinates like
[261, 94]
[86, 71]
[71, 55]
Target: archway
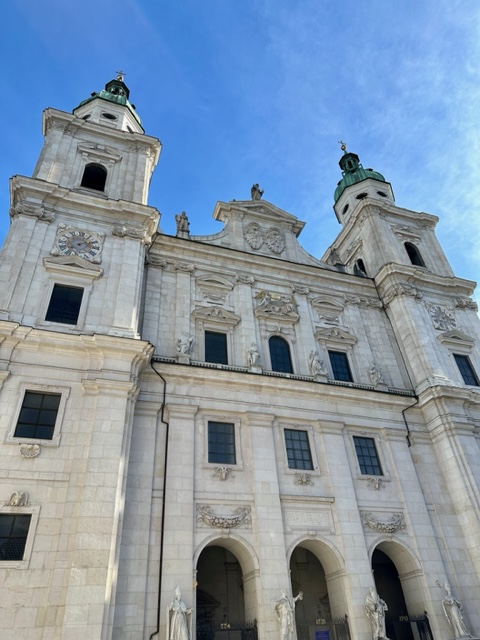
[220, 607]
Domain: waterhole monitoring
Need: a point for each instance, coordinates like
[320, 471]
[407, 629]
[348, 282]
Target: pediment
[215, 314]
[327, 303]
[100, 151]
[457, 339]
[260, 211]
[335, 337]
[215, 282]
[72, 265]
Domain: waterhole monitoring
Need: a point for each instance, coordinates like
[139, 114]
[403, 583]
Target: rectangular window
[221, 443]
[465, 366]
[340, 366]
[38, 415]
[13, 535]
[298, 449]
[64, 304]
[367, 456]
[216, 347]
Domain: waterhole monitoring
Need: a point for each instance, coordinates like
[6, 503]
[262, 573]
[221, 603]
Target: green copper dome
[353, 172]
[115, 91]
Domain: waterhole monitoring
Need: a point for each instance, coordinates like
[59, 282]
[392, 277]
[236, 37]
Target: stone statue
[453, 612]
[376, 375]
[253, 357]
[184, 344]
[256, 192]
[285, 610]
[317, 368]
[375, 609]
[179, 618]
[182, 222]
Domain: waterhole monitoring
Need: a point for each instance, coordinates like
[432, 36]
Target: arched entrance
[405, 618]
[220, 610]
[313, 614]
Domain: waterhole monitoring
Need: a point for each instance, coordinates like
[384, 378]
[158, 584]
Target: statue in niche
[376, 376]
[253, 357]
[285, 610]
[317, 367]
[182, 222]
[184, 344]
[375, 609]
[256, 192]
[179, 618]
[453, 612]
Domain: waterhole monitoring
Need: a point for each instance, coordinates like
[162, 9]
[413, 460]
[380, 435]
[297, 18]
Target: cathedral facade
[227, 413]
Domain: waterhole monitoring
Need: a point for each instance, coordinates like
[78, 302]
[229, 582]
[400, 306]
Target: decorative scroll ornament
[222, 473]
[363, 301]
[241, 515]
[401, 289]
[466, 303]
[245, 278]
[303, 479]
[396, 523]
[375, 483]
[155, 261]
[18, 499]
[442, 317]
[131, 230]
[30, 450]
[32, 210]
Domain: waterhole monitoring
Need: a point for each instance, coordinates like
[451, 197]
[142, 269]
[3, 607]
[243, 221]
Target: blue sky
[243, 91]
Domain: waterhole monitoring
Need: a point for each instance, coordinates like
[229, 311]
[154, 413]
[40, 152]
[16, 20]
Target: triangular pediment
[260, 211]
[72, 265]
[335, 336]
[456, 339]
[215, 314]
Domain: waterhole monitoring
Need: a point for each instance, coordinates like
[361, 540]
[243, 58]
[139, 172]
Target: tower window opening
[414, 254]
[87, 117]
[382, 194]
[109, 116]
[359, 268]
[94, 177]
[361, 196]
[280, 355]
[345, 209]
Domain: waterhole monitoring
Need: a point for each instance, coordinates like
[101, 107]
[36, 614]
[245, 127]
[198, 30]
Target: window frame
[380, 459]
[465, 358]
[56, 287]
[308, 443]
[275, 335]
[94, 164]
[34, 512]
[416, 252]
[344, 353]
[229, 419]
[221, 462]
[219, 333]
[57, 431]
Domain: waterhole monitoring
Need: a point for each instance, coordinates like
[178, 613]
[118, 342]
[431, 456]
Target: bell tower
[81, 223]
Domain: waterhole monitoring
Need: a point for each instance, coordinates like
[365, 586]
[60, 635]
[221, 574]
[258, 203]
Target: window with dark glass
[414, 255]
[38, 415]
[468, 373]
[280, 355]
[94, 177]
[13, 535]
[64, 304]
[221, 442]
[340, 367]
[216, 347]
[367, 456]
[298, 449]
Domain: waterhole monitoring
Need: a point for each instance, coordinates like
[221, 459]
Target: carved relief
[239, 516]
[376, 376]
[363, 301]
[303, 479]
[214, 289]
[29, 450]
[443, 318]
[18, 499]
[300, 288]
[375, 483]
[33, 210]
[132, 230]
[245, 278]
[222, 473]
[187, 267]
[217, 313]
[275, 240]
[327, 310]
[275, 304]
[335, 336]
[401, 289]
[155, 261]
[253, 234]
[466, 303]
[405, 232]
[72, 241]
[396, 523]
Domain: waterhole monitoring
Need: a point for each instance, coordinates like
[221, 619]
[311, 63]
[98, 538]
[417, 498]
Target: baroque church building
[228, 413]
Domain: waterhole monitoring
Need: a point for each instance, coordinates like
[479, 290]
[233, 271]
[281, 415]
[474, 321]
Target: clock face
[79, 243]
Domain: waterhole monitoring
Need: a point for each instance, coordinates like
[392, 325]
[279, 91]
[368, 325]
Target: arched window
[359, 269]
[414, 255]
[94, 177]
[280, 355]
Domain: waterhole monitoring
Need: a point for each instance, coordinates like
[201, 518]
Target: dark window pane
[298, 449]
[94, 177]
[221, 443]
[466, 369]
[64, 304]
[13, 536]
[280, 355]
[414, 255]
[340, 366]
[367, 456]
[216, 347]
[38, 422]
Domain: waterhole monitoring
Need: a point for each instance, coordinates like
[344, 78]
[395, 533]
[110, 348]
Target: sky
[247, 91]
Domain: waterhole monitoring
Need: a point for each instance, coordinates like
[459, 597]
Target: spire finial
[120, 75]
[343, 146]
